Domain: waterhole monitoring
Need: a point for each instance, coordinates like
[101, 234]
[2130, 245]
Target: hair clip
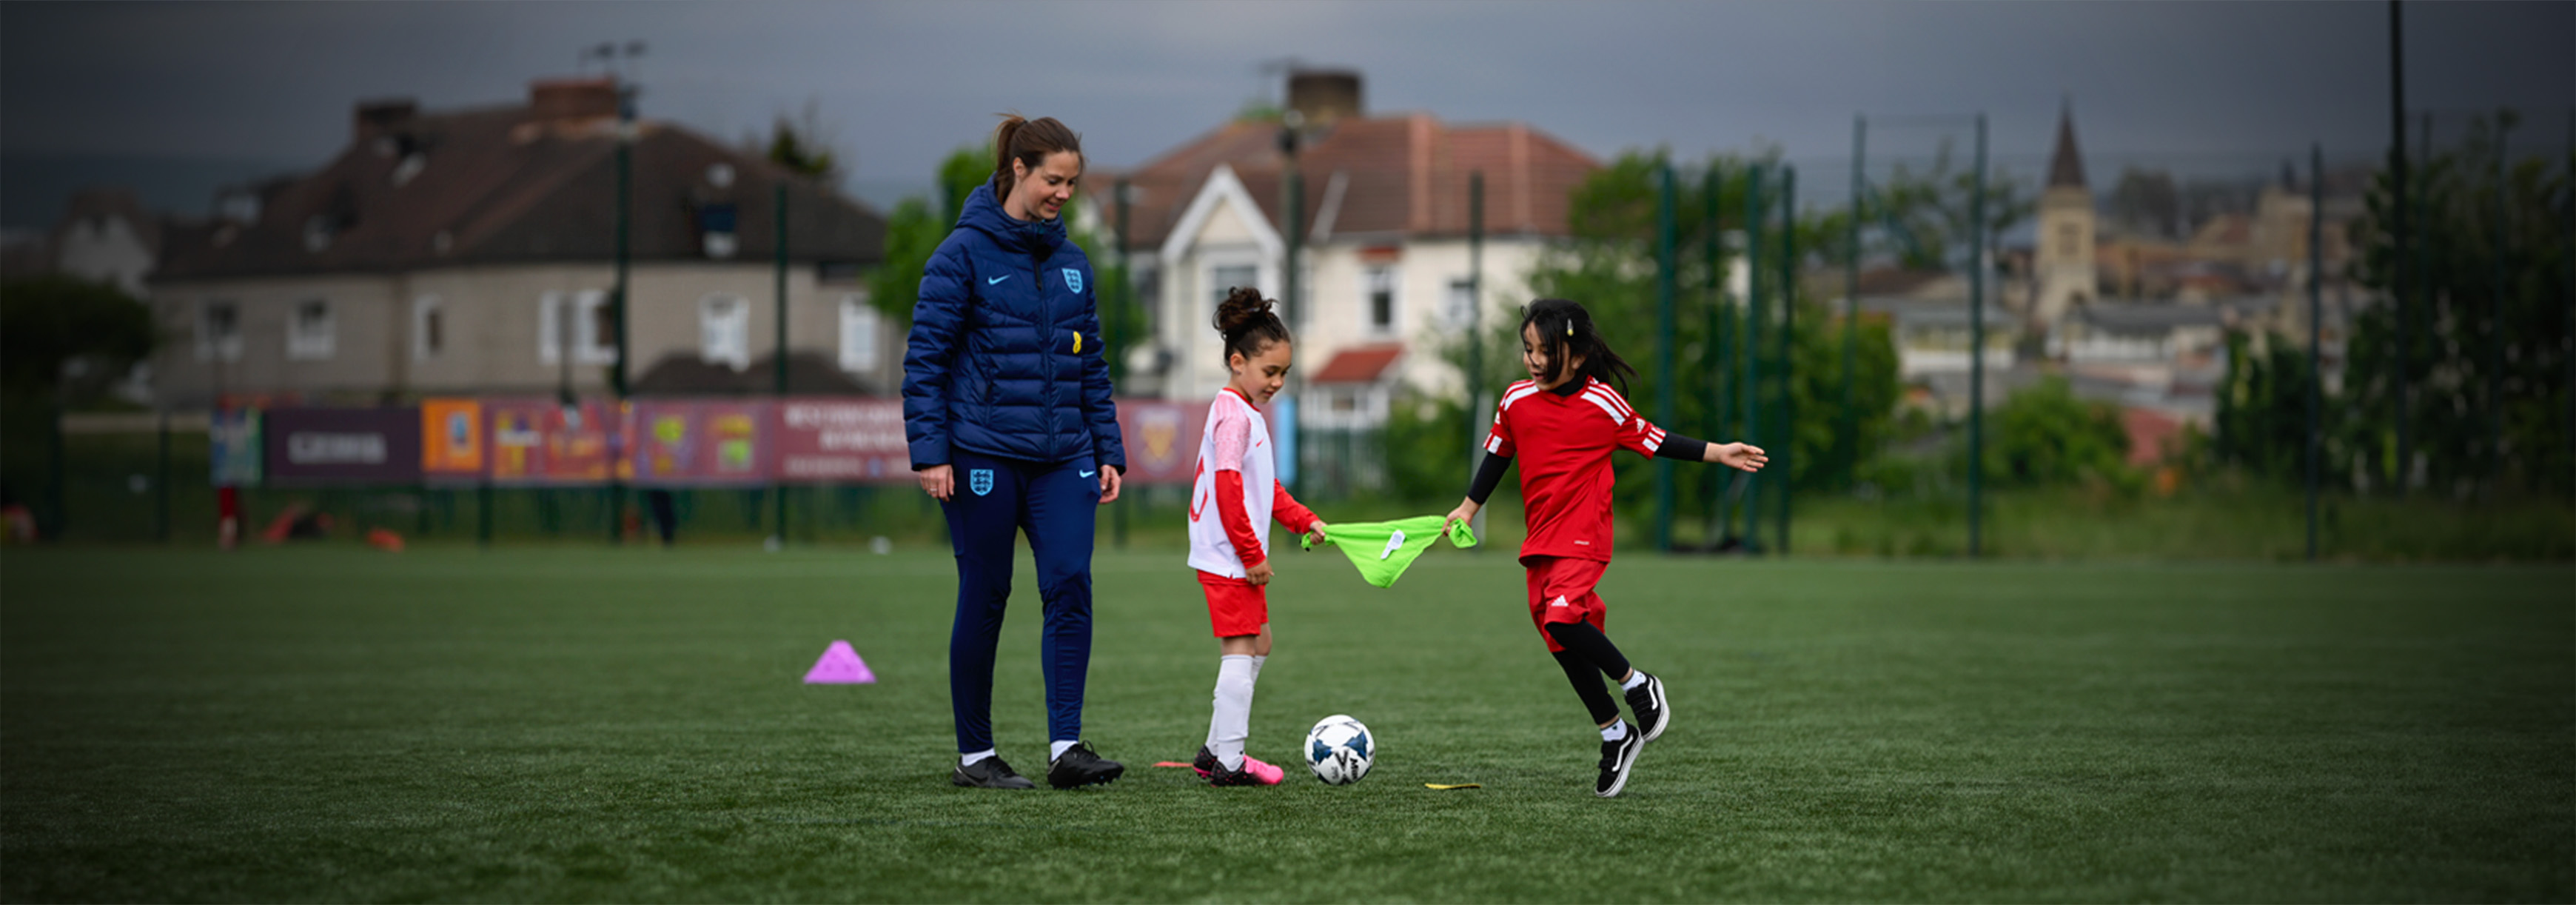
[1569, 328]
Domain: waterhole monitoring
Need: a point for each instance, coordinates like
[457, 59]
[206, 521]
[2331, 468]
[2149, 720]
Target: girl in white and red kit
[1562, 424]
[1234, 498]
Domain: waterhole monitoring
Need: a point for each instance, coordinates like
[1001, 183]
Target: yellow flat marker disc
[1463, 785]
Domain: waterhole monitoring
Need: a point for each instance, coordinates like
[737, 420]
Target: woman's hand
[1108, 484]
[1466, 512]
[1258, 573]
[1744, 456]
[939, 481]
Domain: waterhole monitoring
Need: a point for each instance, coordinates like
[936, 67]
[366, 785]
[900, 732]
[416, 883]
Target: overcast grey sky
[2233, 84]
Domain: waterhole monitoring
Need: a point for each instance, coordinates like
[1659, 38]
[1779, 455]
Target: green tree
[67, 338]
[2487, 361]
[915, 228]
[2045, 435]
[803, 145]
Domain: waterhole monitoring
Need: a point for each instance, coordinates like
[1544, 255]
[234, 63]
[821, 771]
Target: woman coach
[1006, 406]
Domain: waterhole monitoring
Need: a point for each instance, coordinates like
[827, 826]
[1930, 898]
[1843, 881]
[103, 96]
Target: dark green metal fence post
[1786, 458]
[2316, 330]
[1847, 428]
[2399, 267]
[161, 482]
[1115, 344]
[1977, 347]
[1713, 364]
[2498, 259]
[1478, 417]
[1753, 434]
[483, 513]
[778, 369]
[625, 228]
[1665, 265]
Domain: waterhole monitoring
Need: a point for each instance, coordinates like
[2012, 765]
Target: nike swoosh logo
[1090, 473]
[996, 279]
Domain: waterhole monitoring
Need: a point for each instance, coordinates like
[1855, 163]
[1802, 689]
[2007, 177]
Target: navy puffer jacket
[1004, 357]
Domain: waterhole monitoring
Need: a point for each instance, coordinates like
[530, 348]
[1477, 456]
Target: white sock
[968, 760]
[1256, 667]
[1232, 720]
[1615, 731]
[1056, 749]
[1636, 677]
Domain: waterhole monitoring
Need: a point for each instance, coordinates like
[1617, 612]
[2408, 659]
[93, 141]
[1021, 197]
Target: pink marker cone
[840, 666]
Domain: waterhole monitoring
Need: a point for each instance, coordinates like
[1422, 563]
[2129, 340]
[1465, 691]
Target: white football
[1340, 750]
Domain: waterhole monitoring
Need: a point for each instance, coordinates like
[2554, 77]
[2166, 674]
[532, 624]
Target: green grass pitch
[590, 724]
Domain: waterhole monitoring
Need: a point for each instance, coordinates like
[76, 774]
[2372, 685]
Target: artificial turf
[589, 724]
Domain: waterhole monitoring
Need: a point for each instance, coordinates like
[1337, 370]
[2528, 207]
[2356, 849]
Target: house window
[716, 230]
[724, 331]
[310, 334]
[1224, 279]
[428, 328]
[858, 335]
[582, 319]
[219, 331]
[1380, 290]
[1461, 309]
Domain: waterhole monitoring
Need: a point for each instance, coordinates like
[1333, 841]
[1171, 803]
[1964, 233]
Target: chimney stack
[1324, 95]
[576, 98]
[382, 117]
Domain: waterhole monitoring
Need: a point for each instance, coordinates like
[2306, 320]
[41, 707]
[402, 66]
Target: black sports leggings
[1587, 657]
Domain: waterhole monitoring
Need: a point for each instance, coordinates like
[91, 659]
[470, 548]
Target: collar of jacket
[983, 214]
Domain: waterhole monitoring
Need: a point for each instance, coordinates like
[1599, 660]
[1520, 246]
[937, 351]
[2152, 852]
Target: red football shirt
[1563, 444]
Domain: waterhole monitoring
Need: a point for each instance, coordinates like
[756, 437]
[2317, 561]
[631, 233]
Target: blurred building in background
[1384, 279]
[472, 251]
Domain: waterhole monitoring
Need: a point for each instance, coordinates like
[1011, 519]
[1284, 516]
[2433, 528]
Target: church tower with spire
[2062, 265]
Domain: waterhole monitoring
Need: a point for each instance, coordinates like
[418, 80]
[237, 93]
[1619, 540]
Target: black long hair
[1565, 330]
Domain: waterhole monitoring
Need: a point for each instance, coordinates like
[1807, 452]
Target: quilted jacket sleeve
[938, 326]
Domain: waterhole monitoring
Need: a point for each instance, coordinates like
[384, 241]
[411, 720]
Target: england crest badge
[1073, 279]
[980, 480]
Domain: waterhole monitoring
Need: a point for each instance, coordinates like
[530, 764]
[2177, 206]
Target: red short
[1560, 590]
[1235, 606]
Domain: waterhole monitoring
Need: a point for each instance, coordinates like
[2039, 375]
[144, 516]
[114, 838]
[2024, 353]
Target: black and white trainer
[1078, 766]
[1616, 758]
[990, 773]
[1647, 702]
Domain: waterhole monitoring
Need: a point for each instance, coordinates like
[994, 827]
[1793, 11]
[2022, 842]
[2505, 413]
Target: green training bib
[1382, 550]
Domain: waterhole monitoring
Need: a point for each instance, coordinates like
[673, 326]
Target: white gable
[1222, 212]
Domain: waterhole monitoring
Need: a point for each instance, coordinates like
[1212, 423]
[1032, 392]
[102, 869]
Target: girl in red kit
[1232, 503]
[1562, 424]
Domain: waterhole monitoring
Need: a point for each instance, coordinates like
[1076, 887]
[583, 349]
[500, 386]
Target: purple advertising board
[336, 445]
[682, 443]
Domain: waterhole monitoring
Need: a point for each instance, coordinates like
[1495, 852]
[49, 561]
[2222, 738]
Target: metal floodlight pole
[2418, 201]
[617, 298]
[778, 369]
[1665, 264]
[1713, 297]
[2397, 259]
[1787, 456]
[1115, 345]
[2567, 301]
[1752, 349]
[1977, 347]
[2316, 329]
[1847, 434]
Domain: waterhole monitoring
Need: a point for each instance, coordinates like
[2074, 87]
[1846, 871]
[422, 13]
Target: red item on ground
[384, 539]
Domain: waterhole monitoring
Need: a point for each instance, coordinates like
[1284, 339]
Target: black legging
[1587, 652]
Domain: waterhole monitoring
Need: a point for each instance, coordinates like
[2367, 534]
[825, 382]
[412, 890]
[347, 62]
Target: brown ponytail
[1028, 141]
[1248, 323]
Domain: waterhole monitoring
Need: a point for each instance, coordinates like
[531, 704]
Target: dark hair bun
[1242, 305]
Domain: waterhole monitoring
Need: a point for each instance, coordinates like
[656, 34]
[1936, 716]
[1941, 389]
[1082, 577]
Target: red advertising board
[541, 441]
[1162, 439]
[699, 442]
[840, 440]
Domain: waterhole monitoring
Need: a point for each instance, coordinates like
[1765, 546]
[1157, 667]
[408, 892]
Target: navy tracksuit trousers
[1058, 505]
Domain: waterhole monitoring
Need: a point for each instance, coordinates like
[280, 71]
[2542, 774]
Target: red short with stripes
[1560, 590]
